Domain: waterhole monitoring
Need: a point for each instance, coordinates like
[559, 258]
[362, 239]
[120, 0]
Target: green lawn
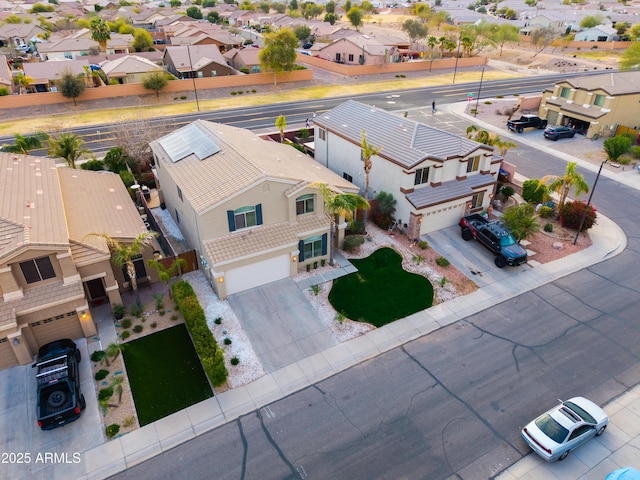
[380, 291]
[165, 374]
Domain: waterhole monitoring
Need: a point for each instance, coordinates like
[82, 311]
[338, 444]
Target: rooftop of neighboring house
[248, 56]
[44, 72]
[614, 83]
[192, 57]
[128, 64]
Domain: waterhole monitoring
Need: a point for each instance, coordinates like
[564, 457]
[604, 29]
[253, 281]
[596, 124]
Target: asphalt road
[450, 404]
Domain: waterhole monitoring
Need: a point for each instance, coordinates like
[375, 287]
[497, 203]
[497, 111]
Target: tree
[616, 146]
[155, 81]
[279, 52]
[116, 160]
[591, 21]
[100, 32]
[117, 381]
[631, 57]
[213, 17]
[432, 42]
[634, 32]
[113, 350]
[501, 34]
[302, 32]
[122, 255]
[71, 86]
[414, 29]
[175, 3]
[542, 38]
[23, 82]
[24, 144]
[330, 6]
[142, 40]
[521, 221]
[341, 205]
[264, 7]
[194, 12]
[281, 123]
[293, 5]
[165, 273]
[355, 17]
[368, 151]
[331, 18]
[68, 146]
[563, 184]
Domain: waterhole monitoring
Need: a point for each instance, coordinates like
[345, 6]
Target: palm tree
[502, 145]
[281, 123]
[123, 254]
[24, 144]
[489, 138]
[563, 184]
[165, 273]
[68, 146]
[100, 32]
[113, 350]
[116, 384]
[442, 41]
[368, 151]
[341, 205]
[432, 41]
[521, 220]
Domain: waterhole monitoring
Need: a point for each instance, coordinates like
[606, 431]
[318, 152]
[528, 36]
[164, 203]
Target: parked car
[564, 428]
[554, 132]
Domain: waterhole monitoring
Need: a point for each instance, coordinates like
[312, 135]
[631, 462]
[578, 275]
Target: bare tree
[542, 38]
[134, 136]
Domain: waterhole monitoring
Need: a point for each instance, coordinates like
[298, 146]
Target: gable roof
[192, 57]
[614, 83]
[129, 64]
[243, 160]
[44, 72]
[403, 141]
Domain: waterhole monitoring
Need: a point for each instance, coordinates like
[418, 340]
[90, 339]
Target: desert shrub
[4, 91]
[548, 227]
[101, 374]
[138, 328]
[545, 212]
[235, 361]
[443, 262]
[105, 393]
[571, 215]
[417, 259]
[154, 325]
[625, 159]
[443, 281]
[315, 289]
[112, 430]
[218, 320]
[128, 422]
[136, 310]
[533, 191]
[126, 334]
[92, 164]
[126, 323]
[423, 245]
[98, 355]
[352, 242]
[507, 192]
[227, 341]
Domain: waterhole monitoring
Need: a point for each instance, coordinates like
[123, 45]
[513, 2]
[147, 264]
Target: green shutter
[301, 248]
[232, 220]
[324, 244]
[259, 214]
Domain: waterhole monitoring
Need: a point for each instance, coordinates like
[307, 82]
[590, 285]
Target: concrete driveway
[45, 455]
[281, 324]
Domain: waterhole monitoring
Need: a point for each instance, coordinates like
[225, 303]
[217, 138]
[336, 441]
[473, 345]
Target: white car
[564, 428]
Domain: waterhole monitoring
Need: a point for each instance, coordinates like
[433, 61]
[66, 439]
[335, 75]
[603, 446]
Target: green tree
[293, 5]
[279, 7]
[68, 146]
[142, 40]
[279, 52]
[616, 146]
[503, 34]
[112, 351]
[40, 8]
[631, 57]
[355, 17]
[24, 144]
[432, 42]
[368, 151]
[311, 10]
[591, 21]
[23, 82]
[194, 12]
[330, 7]
[542, 38]
[347, 5]
[563, 184]
[165, 273]
[302, 32]
[340, 205]
[264, 7]
[71, 86]
[117, 380]
[415, 29]
[634, 32]
[116, 160]
[281, 124]
[155, 81]
[175, 3]
[13, 19]
[100, 32]
[521, 221]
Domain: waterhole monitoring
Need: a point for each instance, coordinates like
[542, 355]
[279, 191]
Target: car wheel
[500, 261]
[563, 456]
[56, 399]
[601, 431]
[555, 139]
[519, 130]
[467, 235]
[83, 402]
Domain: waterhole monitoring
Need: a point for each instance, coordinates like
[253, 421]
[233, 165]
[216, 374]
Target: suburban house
[129, 69]
[19, 34]
[599, 33]
[196, 61]
[360, 50]
[435, 176]
[248, 206]
[594, 104]
[80, 44]
[50, 271]
[245, 58]
[45, 75]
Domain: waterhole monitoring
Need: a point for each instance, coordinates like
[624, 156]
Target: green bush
[625, 159]
[571, 215]
[635, 151]
[101, 374]
[383, 209]
[126, 334]
[545, 212]
[507, 192]
[126, 323]
[235, 361]
[356, 228]
[352, 242]
[112, 430]
[548, 227]
[4, 91]
[154, 325]
[136, 310]
[138, 328]
[533, 191]
[105, 393]
[443, 262]
[218, 320]
[98, 356]
[227, 341]
[423, 245]
[93, 164]
[203, 340]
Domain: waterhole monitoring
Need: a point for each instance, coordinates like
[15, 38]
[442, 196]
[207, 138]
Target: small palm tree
[521, 221]
[281, 123]
[68, 146]
[24, 144]
[563, 184]
[100, 32]
[165, 273]
[368, 151]
[116, 384]
[113, 350]
[432, 42]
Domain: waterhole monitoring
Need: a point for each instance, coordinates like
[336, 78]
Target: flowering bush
[571, 215]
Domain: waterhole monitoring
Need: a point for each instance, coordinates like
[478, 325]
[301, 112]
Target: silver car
[564, 428]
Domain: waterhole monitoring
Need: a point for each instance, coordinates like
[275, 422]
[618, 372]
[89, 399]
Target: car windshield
[551, 428]
[507, 241]
[580, 411]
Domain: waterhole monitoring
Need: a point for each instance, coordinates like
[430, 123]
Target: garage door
[445, 218]
[254, 275]
[56, 328]
[7, 357]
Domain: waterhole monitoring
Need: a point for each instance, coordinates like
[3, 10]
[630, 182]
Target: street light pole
[584, 214]
[195, 90]
[475, 113]
[455, 69]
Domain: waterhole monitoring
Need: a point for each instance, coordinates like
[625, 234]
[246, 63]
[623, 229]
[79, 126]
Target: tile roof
[244, 160]
[403, 141]
[200, 54]
[614, 83]
[577, 108]
[44, 72]
[255, 241]
[428, 196]
[129, 64]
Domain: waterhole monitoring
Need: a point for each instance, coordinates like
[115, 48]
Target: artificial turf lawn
[165, 374]
[380, 291]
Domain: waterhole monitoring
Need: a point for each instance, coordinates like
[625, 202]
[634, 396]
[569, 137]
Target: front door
[96, 291]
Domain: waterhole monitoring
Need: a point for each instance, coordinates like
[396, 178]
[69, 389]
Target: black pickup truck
[59, 398]
[496, 237]
[526, 121]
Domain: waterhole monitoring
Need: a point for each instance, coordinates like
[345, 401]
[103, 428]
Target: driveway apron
[281, 324]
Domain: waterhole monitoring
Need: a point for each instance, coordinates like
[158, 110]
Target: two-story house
[51, 272]
[248, 206]
[594, 104]
[435, 176]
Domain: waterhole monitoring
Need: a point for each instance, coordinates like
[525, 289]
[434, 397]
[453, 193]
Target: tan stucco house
[50, 271]
[247, 205]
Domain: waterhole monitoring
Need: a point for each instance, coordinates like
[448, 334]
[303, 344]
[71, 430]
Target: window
[304, 204]
[347, 177]
[422, 176]
[313, 247]
[244, 217]
[68, 55]
[473, 164]
[599, 100]
[351, 57]
[322, 133]
[477, 199]
[564, 93]
[37, 270]
[138, 263]
[179, 192]
[338, 57]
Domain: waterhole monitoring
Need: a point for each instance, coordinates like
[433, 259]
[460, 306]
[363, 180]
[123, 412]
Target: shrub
[635, 151]
[227, 341]
[352, 242]
[154, 325]
[417, 259]
[548, 227]
[128, 422]
[315, 289]
[443, 281]
[138, 328]
[571, 215]
[322, 262]
[624, 159]
[545, 211]
[356, 228]
[112, 430]
[159, 299]
[507, 192]
[4, 91]
[315, 265]
[161, 313]
[98, 356]
[136, 310]
[442, 262]
[101, 374]
[235, 361]
[174, 317]
[126, 323]
[105, 393]
[218, 320]
[92, 164]
[533, 191]
[308, 266]
[126, 334]
[118, 310]
[339, 317]
[383, 210]
[423, 245]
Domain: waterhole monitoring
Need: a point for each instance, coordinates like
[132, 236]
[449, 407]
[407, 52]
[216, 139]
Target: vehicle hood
[514, 251]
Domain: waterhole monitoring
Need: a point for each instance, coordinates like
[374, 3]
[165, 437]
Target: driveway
[281, 324]
[47, 454]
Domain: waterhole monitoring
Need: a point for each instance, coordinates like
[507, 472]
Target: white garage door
[447, 217]
[250, 276]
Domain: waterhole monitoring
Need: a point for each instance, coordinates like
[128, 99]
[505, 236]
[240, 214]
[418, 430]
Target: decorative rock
[558, 245]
